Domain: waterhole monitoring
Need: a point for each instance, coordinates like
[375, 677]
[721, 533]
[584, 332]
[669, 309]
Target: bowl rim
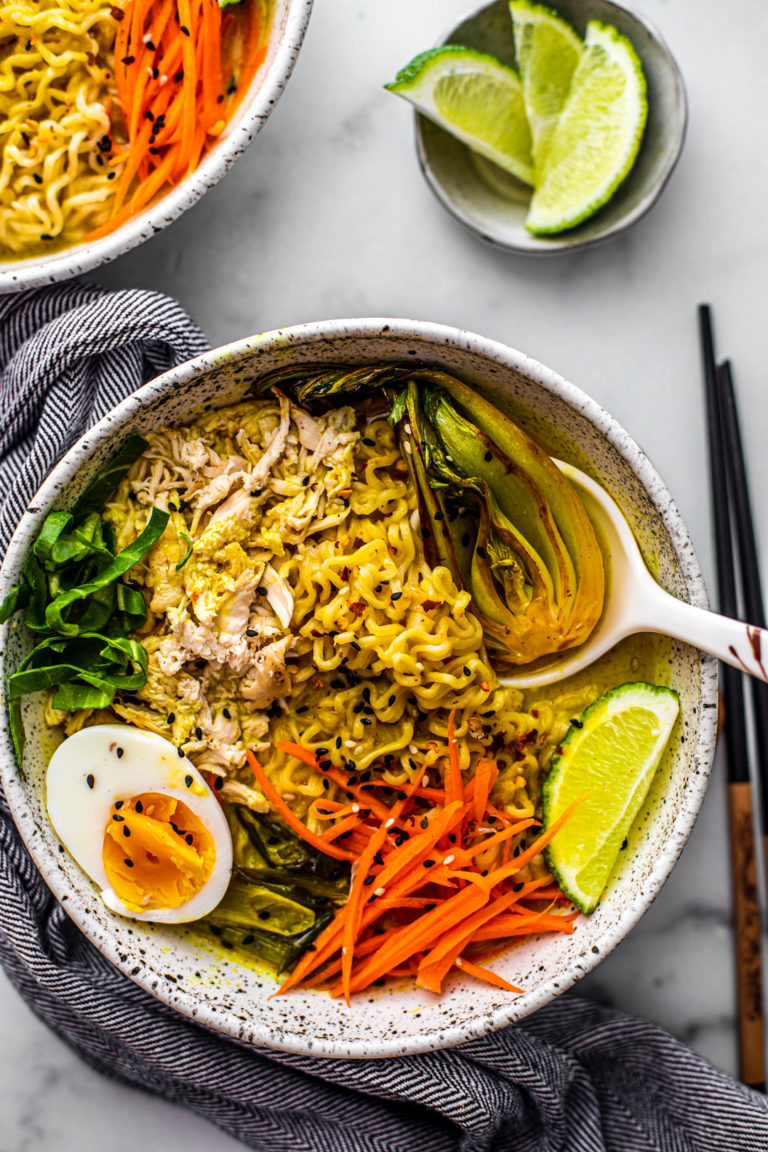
[445, 338]
[556, 245]
[249, 117]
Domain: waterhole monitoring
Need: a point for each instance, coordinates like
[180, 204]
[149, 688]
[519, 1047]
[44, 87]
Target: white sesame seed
[425, 781]
[379, 891]
[389, 822]
[355, 807]
[449, 859]
[459, 962]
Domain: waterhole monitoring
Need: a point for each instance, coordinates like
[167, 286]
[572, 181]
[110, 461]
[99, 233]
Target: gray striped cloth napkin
[574, 1077]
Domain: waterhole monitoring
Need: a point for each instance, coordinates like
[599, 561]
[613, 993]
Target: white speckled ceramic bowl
[175, 964]
[287, 24]
[493, 205]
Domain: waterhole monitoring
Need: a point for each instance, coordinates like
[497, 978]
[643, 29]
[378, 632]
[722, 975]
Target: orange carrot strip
[486, 974]
[345, 825]
[291, 820]
[438, 961]
[466, 854]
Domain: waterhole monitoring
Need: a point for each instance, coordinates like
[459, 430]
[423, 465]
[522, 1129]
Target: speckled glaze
[494, 205]
[190, 975]
[288, 23]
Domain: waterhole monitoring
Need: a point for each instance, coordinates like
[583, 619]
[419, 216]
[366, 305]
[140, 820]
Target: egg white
[95, 767]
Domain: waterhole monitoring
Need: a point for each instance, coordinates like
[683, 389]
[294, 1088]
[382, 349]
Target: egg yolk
[157, 852]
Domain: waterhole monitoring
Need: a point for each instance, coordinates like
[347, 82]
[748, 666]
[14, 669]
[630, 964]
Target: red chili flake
[358, 607]
[117, 14]
[392, 550]
[345, 574]
[428, 605]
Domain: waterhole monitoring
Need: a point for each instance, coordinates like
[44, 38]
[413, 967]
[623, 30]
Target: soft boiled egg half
[138, 817]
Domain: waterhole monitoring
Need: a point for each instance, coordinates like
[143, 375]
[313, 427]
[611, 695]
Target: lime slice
[609, 757]
[475, 98]
[597, 137]
[548, 50]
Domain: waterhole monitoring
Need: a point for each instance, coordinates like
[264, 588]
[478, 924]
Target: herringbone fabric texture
[575, 1077]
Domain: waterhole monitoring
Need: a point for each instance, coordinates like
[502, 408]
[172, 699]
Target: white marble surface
[328, 216]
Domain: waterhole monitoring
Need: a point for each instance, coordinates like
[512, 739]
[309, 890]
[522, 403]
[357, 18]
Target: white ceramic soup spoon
[636, 603]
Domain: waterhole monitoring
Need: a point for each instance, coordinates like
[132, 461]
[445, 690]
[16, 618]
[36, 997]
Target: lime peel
[608, 760]
[597, 137]
[476, 98]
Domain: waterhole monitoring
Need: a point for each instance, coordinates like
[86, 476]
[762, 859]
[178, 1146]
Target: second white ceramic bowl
[287, 24]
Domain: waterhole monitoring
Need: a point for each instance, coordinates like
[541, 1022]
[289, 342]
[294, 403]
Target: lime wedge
[609, 757]
[475, 98]
[597, 137]
[548, 50]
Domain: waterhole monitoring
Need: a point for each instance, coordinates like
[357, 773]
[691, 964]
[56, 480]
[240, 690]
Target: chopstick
[730, 501]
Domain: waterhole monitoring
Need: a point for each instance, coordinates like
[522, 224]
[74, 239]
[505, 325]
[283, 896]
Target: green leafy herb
[184, 559]
[75, 599]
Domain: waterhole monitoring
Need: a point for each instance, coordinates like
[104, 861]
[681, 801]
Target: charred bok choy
[77, 603]
[283, 892]
[494, 507]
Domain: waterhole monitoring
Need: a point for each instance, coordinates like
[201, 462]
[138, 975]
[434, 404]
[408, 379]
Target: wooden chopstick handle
[747, 936]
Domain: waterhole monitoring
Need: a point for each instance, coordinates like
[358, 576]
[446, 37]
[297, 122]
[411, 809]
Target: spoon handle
[745, 646]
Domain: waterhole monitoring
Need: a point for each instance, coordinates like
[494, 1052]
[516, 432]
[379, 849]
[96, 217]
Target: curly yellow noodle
[382, 647]
[56, 84]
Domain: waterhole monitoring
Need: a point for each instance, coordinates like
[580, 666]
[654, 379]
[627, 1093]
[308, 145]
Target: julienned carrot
[293, 821]
[418, 900]
[485, 974]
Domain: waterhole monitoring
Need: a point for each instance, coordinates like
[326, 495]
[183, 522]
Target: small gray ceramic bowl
[177, 965]
[287, 24]
[493, 204]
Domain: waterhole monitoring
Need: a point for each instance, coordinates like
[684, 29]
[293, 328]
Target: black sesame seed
[378, 858]
[126, 830]
[226, 713]
[324, 765]
[128, 863]
[118, 819]
[465, 539]
[424, 822]
[326, 785]
[184, 30]
[368, 442]
[338, 742]
[452, 837]
[139, 807]
[577, 723]
[305, 481]
[391, 700]
[37, 178]
[119, 752]
[482, 552]
[262, 591]
[251, 632]
[180, 753]
[198, 733]
[188, 781]
[249, 939]
[351, 765]
[365, 720]
[171, 718]
[429, 907]
[413, 764]
[517, 887]
[302, 708]
[396, 595]
[377, 588]
[466, 672]
[118, 805]
[321, 751]
[129, 60]
[429, 863]
[368, 880]
[354, 644]
[488, 456]
[218, 783]
[337, 684]
[189, 838]
[365, 777]
[402, 795]
[264, 914]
